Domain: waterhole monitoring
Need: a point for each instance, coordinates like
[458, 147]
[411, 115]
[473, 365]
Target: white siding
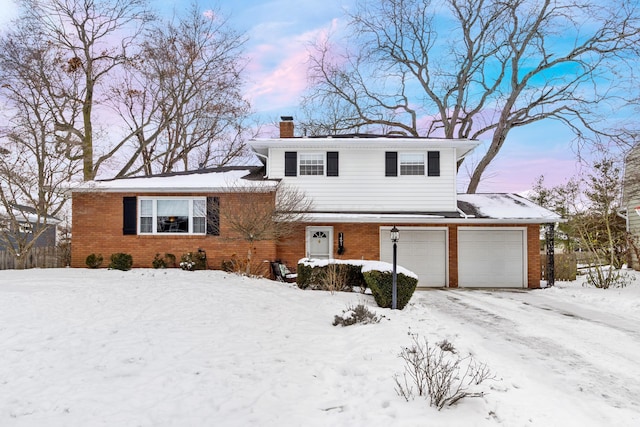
[362, 185]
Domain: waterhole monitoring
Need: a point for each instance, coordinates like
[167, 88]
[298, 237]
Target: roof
[364, 142]
[28, 214]
[203, 180]
[504, 206]
[472, 208]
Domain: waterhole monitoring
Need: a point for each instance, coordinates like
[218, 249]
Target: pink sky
[279, 34]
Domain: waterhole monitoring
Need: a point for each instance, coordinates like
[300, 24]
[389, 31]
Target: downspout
[266, 162]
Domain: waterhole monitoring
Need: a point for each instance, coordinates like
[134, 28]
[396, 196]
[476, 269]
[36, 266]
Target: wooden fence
[47, 257]
[565, 266]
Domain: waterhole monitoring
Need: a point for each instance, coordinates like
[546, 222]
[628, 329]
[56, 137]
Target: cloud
[278, 66]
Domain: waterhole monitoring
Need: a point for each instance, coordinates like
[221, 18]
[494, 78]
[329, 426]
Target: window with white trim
[187, 215]
[311, 163]
[411, 164]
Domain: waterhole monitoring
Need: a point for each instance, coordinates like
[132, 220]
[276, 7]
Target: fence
[565, 266]
[47, 257]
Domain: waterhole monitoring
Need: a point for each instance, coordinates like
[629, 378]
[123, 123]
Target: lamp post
[395, 236]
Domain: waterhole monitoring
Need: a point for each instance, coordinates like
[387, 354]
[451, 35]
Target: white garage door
[492, 257]
[421, 250]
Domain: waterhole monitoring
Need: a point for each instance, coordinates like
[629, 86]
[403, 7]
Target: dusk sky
[279, 32]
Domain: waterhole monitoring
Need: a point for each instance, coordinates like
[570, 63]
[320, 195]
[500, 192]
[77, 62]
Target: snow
[508, 206]
[210, 180]
[82, 347]
[366, 265]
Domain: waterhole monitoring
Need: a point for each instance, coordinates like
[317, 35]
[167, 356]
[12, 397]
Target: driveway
[552, 347]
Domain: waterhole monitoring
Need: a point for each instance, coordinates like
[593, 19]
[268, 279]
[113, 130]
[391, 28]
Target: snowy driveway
[560, 349]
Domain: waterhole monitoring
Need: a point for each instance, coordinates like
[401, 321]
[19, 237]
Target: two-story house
[360, 187]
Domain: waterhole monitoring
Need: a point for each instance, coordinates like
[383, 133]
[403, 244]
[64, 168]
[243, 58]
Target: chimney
[286, 127]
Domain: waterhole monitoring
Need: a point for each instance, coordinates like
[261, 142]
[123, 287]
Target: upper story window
[411, 164]
[187, 215]
[311, 163]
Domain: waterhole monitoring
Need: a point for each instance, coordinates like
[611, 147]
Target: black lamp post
[395, 236]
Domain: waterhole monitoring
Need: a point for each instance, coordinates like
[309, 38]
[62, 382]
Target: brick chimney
[286, 127]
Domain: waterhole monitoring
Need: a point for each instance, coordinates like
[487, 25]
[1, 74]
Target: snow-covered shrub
[191, 261]
[358, 314]
[94, 261]
[330, 275]
[441, 375]
[381, 285]
[121, 261]
[604, 277]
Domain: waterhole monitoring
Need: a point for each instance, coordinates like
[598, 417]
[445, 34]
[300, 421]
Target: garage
[492, 257]
[420, 249]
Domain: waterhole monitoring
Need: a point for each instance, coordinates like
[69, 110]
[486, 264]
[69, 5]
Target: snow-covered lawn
[83, 347]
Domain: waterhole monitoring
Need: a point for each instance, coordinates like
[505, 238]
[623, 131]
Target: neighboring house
[360, 185]
[631, 202]
[27, 223]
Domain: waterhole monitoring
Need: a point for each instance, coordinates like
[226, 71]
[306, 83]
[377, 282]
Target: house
[23, 222]
[360, 186]
[631, 203]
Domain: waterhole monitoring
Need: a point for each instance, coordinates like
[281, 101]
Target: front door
[319, 242]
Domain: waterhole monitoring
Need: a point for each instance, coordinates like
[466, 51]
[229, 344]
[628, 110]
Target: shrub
[439, 373]
[121, 261]
[193, 261]
[94, 261]
[358, 314]
[168, 260]
[334, 276]
[158, 262]
[381, 285]
[605, 277]
[246, 266]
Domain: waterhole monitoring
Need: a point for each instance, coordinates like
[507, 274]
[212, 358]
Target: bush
[94, 261]
[381, 285]
[358, 314]
[193, 261]
[439, 373]
[605, 277]
[334, 276]
[121, 261]
[168, 260]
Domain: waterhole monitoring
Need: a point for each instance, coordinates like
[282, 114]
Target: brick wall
[97, 228]
[362, 241]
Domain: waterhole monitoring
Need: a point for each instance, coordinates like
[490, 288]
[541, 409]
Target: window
[411, 164]
[311, 164]
[173, 215]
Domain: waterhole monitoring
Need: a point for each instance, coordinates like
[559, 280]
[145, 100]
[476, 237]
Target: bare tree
[34, 164]
[94, 38]
[263, 217]
[186, 97]
[480, 68]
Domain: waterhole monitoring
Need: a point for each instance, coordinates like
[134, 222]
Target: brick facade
[362, 241]
[97, 228]
[98, 221]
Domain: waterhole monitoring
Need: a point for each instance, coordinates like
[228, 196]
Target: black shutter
[129, 216]
[332, 163]
[433, 163]
[391, 163]
[290, 163]
[213, 216]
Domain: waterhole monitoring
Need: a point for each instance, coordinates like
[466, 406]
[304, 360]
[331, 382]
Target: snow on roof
[504, 206]
[219, 179]
[28, 214]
